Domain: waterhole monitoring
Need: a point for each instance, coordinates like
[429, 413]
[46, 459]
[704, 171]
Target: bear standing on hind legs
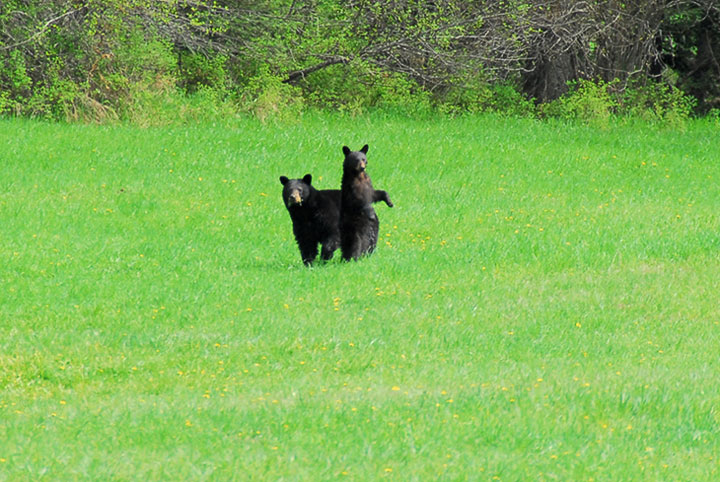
[359, 224]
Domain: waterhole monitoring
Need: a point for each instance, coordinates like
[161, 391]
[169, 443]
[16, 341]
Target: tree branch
[42, 30]
[300, 74]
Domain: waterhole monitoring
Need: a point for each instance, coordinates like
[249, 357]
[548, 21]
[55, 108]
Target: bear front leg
[308, 252]
[380, 195]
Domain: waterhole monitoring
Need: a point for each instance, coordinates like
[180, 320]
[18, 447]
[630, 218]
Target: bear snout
[294, 199]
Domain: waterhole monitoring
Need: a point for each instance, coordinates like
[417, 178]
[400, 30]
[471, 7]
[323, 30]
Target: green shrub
[17, 82]
[597, 101]
[199, 71]
[51, 96]
[657, 102]
[356, 87]
[266, 96]
[504, 99]
[508, 100]
[396, 93]
[461, 98]
[14, 73]
[177, 107]
[589, 101]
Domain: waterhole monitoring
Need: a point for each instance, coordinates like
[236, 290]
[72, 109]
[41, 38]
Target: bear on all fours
[315, 215]
[359, 224]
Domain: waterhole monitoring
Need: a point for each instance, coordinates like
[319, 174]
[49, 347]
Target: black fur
[315, 216]
[359, 224]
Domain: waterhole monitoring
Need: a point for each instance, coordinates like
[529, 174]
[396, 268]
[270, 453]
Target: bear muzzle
[294, 199]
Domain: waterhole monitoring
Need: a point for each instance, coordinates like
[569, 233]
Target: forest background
[150, 62]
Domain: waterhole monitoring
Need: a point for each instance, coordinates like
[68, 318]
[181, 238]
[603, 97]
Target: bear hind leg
[328, 249]
[352, 247]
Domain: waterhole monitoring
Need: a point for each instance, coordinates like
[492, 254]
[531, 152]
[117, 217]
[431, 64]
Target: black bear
[315, 216]
[359, 225]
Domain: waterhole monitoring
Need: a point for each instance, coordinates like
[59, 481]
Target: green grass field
[543, 304]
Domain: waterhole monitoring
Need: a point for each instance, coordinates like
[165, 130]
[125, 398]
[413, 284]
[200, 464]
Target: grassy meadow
[543, 303]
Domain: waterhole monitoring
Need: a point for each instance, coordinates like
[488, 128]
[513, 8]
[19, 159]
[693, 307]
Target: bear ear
[307, 179]
[346, 150]
[283, 180]
[364, 149]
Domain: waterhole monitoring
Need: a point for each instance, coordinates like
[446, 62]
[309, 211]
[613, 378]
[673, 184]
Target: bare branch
[42, 30]
[300, 74]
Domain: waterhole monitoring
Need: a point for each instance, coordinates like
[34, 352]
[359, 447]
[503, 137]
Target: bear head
[355, 161]
[296, 191]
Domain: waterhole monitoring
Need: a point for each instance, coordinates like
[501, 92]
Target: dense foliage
[148, 61]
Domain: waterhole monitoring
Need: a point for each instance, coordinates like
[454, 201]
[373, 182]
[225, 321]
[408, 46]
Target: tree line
[102, 59]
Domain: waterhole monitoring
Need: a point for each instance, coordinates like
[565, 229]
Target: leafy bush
[597, 101]
[504, 98]
[507, 99]
[198, 71]
[355, 87]
[657, 102]
[589, 101]
[17, 82]
[267, 97]
[461, 98]
[397, 93]
[176, 107]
